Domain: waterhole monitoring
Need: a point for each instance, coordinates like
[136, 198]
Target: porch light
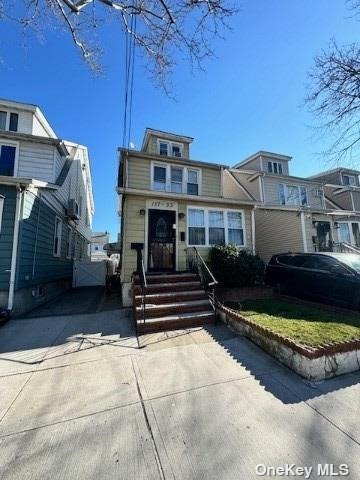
[181, 215]
[142, 211]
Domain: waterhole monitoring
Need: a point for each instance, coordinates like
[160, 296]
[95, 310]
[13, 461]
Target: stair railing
[140, 271]
[348, 248]
[196, 264]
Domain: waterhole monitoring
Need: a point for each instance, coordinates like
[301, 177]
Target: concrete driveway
[80, 400]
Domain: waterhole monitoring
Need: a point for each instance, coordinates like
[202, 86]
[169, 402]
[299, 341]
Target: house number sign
[157, 204]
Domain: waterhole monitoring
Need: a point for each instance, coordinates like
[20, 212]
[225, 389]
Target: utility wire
[129, 80]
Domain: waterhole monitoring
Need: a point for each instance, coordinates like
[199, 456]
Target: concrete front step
[168, 278]
[171, 297]
[174, 322]
[166, 309]
[168, 287]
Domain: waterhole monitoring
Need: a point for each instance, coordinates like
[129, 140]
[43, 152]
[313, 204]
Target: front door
[324, 240]
[162, 240]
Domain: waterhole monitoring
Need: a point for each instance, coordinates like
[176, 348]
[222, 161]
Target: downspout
[303, 231]
[19, 198]
[253, 230]
[36, 238]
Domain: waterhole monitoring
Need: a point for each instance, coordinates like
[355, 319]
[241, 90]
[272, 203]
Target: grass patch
[302, 323]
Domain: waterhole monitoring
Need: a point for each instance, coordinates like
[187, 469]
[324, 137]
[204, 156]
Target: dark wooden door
[162, 240]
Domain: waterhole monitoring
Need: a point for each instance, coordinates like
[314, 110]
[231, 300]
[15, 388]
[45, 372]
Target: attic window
[169, 148]
[176, 151]
[275, 167]
[349, 180]
[9, 121]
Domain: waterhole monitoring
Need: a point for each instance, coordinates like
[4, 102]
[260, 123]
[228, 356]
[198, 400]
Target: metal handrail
[197, 264]
[348, 246]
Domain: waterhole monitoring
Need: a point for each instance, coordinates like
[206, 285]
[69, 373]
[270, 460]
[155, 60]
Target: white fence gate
[89, 274]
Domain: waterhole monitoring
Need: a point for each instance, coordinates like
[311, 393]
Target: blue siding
[6, 234]
[36, 262]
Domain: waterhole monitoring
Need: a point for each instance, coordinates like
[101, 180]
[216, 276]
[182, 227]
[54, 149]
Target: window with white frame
[292, 195]
[196, 225]
[349, 232]
[349, 180]
[7, 159]
[275, 167]
[216, 228]
[175, 179]
[57, 237]
[163, 148]
[160, 179]
[9, 121]
[192, 182]
[169, 148]
[208, 227]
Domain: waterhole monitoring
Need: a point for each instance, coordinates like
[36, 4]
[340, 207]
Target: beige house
[342, 191]
[297, 214]
[169, 202]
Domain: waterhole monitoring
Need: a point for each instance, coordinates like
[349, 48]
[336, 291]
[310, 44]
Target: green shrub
[233, 267]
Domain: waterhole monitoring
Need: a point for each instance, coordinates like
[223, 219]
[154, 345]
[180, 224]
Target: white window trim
[10, 143]
[57, 253]
[206, 211]
[349, 223]
[169, 147]
[349, 175]
[272, 167]
[286, 185]
[7, 121]
[1, 209]
[168, 166]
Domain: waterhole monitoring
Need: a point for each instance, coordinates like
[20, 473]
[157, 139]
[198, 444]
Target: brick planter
[313, 363]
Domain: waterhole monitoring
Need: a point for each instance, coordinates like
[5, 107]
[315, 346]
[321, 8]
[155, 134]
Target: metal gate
[89, 274]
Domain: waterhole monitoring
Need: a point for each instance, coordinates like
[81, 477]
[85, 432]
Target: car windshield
[350, 259]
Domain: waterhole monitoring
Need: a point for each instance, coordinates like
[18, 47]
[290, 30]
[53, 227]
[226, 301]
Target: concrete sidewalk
[80, 400]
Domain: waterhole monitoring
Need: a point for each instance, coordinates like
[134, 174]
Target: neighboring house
[169, 202]
[294, 213]
[98, 241]
[342, 190]
[46, 207]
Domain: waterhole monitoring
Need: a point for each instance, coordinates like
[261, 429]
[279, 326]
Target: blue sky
[249, 98]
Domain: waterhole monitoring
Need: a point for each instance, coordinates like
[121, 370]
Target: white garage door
[89, 274]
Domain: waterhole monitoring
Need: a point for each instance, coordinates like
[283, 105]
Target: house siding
[36, 262]
[6, 234]
[252, 187]
[277, 231]
[139, 175]
[36, 161]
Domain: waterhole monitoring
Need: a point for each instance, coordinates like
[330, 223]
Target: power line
[129, 80]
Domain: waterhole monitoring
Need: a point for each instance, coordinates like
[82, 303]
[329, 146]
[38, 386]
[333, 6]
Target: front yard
[303, 324]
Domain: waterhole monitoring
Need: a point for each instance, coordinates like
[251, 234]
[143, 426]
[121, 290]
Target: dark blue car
[324, 277]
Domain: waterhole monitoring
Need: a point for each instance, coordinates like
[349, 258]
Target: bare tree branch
[165, 28]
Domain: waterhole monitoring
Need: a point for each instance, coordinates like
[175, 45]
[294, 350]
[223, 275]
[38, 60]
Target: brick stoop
[172, 301]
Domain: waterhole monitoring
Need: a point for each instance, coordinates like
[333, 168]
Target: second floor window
[9, 121]
[292, 195]
[193, 182]
[7, 160]
[175, 179]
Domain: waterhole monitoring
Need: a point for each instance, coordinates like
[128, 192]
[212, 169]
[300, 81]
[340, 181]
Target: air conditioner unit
[319, 192]
[73, 209]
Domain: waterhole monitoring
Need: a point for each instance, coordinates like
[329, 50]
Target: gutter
[19, 202]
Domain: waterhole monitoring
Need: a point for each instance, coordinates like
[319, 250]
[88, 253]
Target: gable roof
[263, 153]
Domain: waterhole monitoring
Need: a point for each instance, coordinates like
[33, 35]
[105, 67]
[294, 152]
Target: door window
[344, 232]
